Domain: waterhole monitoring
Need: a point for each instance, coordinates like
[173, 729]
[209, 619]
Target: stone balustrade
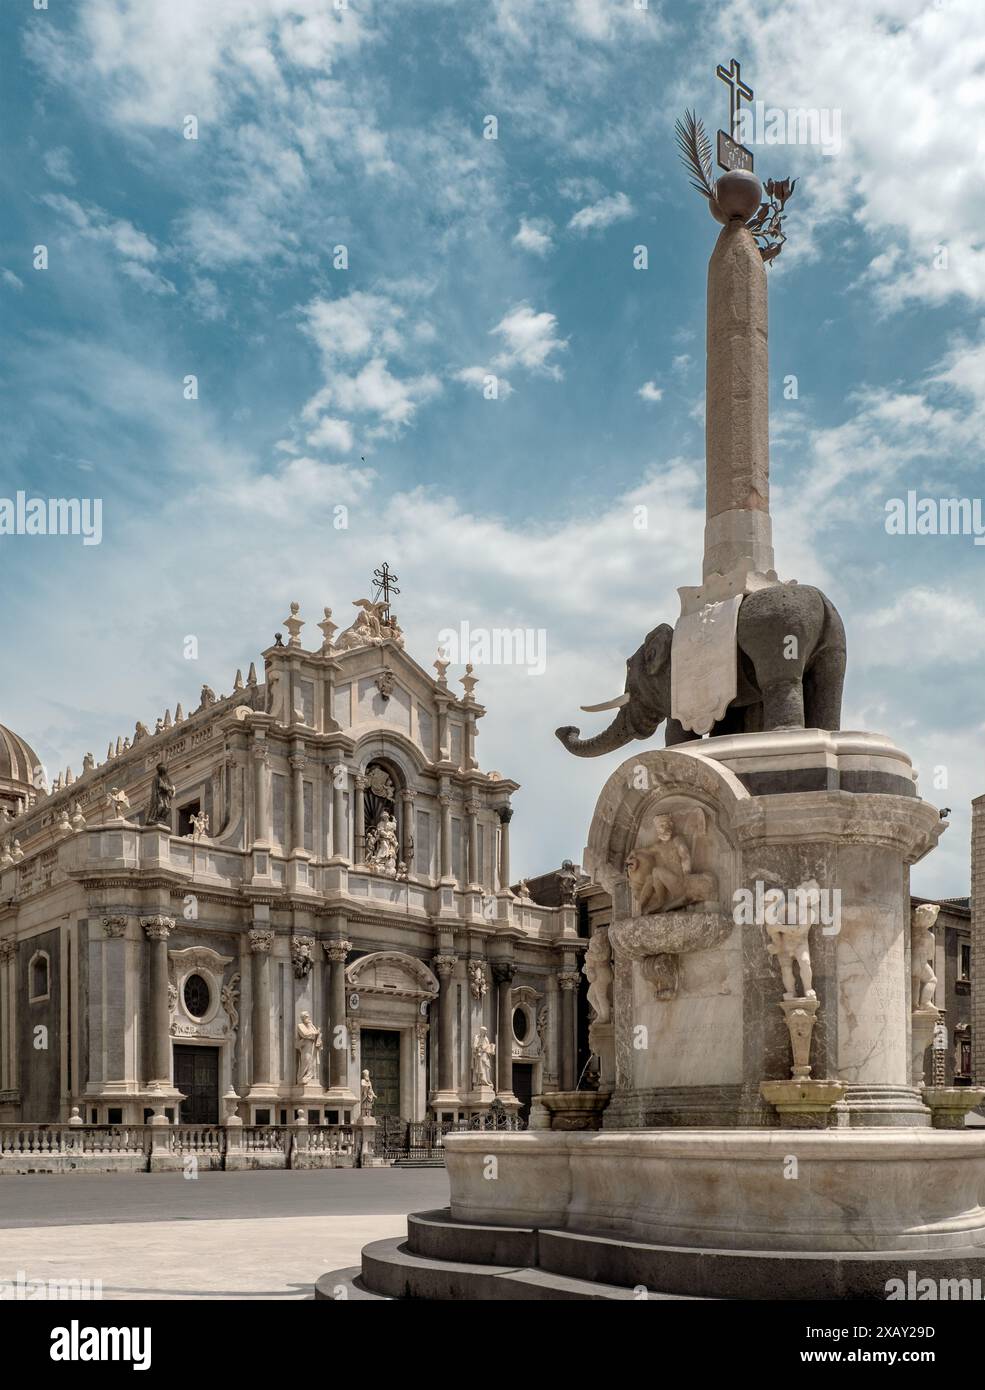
[162, 1148]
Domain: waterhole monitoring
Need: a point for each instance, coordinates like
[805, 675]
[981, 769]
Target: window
[964, 963]
[39, 977]
[521, 1025]
[197, 996]
[185, 813]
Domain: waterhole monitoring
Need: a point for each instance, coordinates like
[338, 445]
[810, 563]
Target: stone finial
[441, 664]
[167, 719]
[294, 624]
[69, 777]
[179, 713]
[119, 746]
[88, 763]
[140, 732]
[328, 631]
[251, 678]
[109, 752]
[469, 681]
[238, 682]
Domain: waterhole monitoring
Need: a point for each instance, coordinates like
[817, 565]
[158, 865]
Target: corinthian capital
[114, 926]
[445, 966]
[337, 951]
[503, 971]
[568, 979]
[261, 939]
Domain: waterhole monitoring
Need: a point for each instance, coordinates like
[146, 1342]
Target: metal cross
[737, 89]
[384, 584]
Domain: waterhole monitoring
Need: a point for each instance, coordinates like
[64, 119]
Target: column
[8, 1016]
[568, 983]
[445, 968]
[261, 941]
[444, 802]
[157, 930]
[338, 1041]
[474, 867]
[503, 972]
[261, 801]
[339, 838]
[407, 796]
[297, 761]
[505, 816]
[444, 746]
[469, 758]
[359, 821]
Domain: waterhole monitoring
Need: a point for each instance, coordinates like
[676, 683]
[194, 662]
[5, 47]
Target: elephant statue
[781, 683]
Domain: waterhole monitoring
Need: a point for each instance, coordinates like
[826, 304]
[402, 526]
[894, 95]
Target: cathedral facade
[247, 909]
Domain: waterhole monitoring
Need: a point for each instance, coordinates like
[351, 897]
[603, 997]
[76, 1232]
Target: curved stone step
[345, 1286]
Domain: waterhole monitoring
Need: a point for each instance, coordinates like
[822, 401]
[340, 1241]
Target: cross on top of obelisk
[737, 89]
[384, 584]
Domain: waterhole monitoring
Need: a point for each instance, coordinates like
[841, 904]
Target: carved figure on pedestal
[597, 968]
[161, 796]
[308, 1047]
[483, 1052]
[366, 1096]
[660, 874]
[790, 940]
[923, 947]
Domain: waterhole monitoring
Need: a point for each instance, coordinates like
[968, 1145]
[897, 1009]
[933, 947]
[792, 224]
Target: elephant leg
[783, 703]
[823, 685]
[778, 629]
[675, 732]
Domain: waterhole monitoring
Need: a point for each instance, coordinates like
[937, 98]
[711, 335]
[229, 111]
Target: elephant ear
[656, 648]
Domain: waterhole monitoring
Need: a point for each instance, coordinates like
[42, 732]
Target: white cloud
[615, 208]
[331, 434]
[534, 235]
[529, 340]
[135, 249]
[9, 278]
[650, 391]
[58, 164]
[481, 377]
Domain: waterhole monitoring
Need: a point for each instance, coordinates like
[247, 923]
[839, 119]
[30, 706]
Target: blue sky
[318, 386]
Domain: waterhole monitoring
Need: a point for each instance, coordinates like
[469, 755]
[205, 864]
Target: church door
[379, 1049]
[523, 1087]
[196, 1076]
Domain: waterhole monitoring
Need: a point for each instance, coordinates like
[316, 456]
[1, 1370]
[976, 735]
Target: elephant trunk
[615, 736]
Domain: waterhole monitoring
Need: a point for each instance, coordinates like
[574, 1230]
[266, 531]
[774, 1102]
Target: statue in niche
[366, 1096]
[382, 846]
[597, 969]
[161, 796]
[483, 1052]
[790, 940]
[308, 1047]
[660, 874]
[923, 948]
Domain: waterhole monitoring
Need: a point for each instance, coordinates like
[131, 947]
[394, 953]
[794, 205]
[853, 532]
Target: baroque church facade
[246, 909]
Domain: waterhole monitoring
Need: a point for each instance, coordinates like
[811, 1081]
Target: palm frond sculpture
[695, 148]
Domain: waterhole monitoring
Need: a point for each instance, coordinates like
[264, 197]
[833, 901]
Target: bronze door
[196, 1076]
[380, 1053]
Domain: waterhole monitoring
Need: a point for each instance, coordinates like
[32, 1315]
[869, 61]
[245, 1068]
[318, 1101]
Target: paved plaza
[255, 1235]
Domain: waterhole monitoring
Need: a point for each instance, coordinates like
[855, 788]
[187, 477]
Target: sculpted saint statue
[483, 1052]
[308, 1047]
[161, 796]
[366, 1095]
[383, 846]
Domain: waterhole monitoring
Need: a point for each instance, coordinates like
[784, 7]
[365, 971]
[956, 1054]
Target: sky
[383, 207]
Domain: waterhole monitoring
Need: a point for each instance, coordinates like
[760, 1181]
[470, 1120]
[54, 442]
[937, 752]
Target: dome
[18, 761]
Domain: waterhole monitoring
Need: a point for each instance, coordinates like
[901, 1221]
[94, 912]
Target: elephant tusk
[617, 703]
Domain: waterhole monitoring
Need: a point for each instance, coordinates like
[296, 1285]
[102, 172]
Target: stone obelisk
[738, 533]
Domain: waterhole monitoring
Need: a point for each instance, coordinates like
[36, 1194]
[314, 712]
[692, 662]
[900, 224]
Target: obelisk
[738, 532]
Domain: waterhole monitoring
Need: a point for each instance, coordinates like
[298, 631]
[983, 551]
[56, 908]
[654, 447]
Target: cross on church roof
[384, 584]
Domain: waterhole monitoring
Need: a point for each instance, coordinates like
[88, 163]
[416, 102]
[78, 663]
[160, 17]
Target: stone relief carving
[382, 846]
[477, 980]
[308, 1046]
[789, 940]
[660, 874]
[597, 968]
[229, 999]
[373, 625]
[483, 1052]
[923, 947]
[302, 955]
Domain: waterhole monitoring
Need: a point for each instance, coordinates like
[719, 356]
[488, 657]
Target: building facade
[244, 910]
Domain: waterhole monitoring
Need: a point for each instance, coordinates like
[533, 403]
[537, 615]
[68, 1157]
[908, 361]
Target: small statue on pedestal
[161, 795]
[790, 941]
[482, 1053]
[923, 947]
[597, 969]
[308, 1047]
[366, 1096]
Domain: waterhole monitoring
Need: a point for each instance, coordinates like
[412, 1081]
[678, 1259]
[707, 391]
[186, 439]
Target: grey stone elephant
[780, 684]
